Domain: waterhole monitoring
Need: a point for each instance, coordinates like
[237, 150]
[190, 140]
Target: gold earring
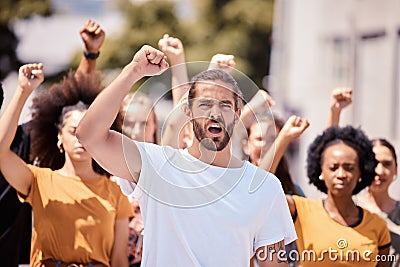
[59, 145]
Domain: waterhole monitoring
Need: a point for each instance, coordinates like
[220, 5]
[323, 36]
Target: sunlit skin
[140, 128]
[340, 169]
[213, 113]
[261, 136]
[385, 170]
[139, 124]
[74, 151]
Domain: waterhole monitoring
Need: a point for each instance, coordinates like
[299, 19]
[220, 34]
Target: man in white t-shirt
[201, 206]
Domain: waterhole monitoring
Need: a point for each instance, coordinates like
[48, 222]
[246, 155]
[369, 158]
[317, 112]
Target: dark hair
[384, 142]
[350, 136]
[283, 174]
[47, 109]
[215, 75]
[1, 95]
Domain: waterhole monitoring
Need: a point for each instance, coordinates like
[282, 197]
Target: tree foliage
[241, 28]
[144, 24]
[10, 10]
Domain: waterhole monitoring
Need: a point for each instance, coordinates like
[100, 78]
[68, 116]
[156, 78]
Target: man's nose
[215, 111]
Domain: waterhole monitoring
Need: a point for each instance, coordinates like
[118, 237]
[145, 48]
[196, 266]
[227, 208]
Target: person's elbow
[83, 134]
[89, 136]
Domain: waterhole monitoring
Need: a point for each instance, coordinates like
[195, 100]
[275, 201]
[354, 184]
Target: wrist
[284, 139]
[335, 111]
[22, 91]
[177, 59]
[133, 72]
[91, 55]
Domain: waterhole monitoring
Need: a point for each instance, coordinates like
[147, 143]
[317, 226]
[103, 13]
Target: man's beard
[214, 144]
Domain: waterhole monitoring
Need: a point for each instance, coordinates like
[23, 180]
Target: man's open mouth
[214, 129]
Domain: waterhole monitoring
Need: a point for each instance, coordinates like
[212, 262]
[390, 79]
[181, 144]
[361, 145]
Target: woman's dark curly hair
[47, 107]
[352, 137]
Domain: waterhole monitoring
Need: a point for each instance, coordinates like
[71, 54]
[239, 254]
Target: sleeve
[278, 224]
[124, 208]
[34, 186]
[384, 240]
[300, 203]
[151, 156]
[126, 186]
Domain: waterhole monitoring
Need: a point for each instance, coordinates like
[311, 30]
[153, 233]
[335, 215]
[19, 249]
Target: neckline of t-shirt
[91, 180]
[357, 223]
[185, 153]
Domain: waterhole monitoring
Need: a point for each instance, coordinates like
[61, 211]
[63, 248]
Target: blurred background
[299, 50]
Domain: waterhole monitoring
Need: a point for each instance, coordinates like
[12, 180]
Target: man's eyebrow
[205, 100]
[227, 101]
[209, 101]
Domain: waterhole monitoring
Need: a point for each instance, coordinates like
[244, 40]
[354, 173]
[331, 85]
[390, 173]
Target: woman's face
[261, 137]
[340, 169]
[385, 170]
[139, 124]
[73, 149]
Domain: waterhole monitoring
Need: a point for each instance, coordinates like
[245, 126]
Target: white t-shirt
[126, 186]
[196, 214]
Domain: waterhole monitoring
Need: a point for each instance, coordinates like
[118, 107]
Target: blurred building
[322, 44]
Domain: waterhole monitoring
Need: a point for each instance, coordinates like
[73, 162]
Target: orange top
[324, 242]
[73, 218]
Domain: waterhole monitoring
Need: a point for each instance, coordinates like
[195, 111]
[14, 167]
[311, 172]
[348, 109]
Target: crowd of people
[90, 180]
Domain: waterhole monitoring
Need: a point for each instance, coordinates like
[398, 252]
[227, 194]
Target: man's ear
[245, 146]
[237, 115]
[239, 112]
[186, 110]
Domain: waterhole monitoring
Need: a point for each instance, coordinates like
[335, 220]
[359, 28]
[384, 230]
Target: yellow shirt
[324, 242]
[73, 218]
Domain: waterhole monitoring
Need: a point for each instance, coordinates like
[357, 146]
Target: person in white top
[201, 206]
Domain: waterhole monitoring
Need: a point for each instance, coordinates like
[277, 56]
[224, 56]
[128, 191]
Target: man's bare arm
[108, 147]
